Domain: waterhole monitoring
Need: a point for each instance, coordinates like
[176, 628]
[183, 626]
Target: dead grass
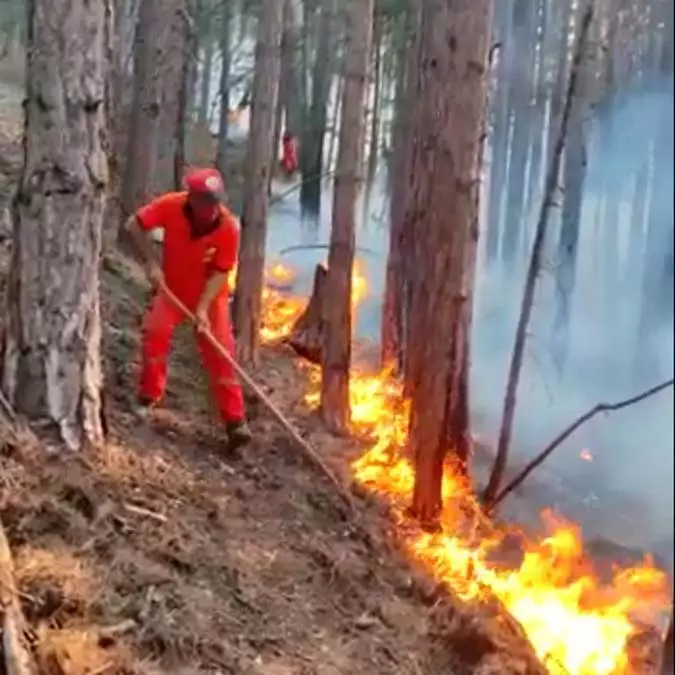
[77, 651]
[53, 583]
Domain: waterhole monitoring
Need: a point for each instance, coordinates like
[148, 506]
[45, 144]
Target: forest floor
[154, 554]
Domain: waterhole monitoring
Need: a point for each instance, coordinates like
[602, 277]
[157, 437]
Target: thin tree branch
[568, 431]
[534, 267]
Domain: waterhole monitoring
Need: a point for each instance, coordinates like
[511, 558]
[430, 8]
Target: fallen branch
[566, 433]
[140, 511]
[17, 660]
[534, 267]
[306, 448]
[324, 247]
[111, 632]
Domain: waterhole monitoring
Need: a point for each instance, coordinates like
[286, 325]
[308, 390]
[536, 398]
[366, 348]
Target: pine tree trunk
[205, 83]
[524, 35]
[393, 308]
[186, 86]
[52, 361]
[223, 126]
[452, 69]
[313, 139]
[574, 177]
[152, 36]
[500, 130]
[563, 12]
[171, 74]
[535, 174]
[373, 155]
[250, 271]
[338, 318]
[292, 102]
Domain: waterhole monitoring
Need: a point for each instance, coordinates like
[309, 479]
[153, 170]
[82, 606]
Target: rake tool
[306, 448]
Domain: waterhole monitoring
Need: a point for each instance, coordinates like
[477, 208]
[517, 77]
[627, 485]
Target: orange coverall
[289, 156]
[188, 260]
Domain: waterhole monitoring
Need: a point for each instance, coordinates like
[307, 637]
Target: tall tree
[151, 40]
[395, 295]
[520, 104]
[52, 361]
[451, 94]
[186, 86]
[208, 52]
[348, 178]
[573, 179]
[500, 126]
[314, 136]
[373, 154]
[224, 87]
[292, 102]
[250, 272]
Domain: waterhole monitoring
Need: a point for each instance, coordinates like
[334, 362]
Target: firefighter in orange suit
[200, 246]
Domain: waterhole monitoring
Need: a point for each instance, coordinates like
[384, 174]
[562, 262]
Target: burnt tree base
[307, 335]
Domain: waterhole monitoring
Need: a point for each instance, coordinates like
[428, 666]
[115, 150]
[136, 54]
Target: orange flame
[576, 624]
[281, 310]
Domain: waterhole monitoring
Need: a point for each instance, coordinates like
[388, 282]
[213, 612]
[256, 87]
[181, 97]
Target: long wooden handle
[307, 449]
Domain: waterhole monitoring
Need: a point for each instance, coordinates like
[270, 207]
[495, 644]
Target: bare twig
[324, 247]
[140, 511]
[307, 449]
[568, 431]
[110, 632]
[534, 267]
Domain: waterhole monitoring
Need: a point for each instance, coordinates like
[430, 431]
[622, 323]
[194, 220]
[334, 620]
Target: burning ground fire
[576, 623]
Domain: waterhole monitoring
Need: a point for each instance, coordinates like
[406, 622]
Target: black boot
[238, 435]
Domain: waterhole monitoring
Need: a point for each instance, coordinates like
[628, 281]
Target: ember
[586, 456]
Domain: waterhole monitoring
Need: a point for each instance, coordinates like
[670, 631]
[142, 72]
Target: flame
[281, 310]
[576, 624]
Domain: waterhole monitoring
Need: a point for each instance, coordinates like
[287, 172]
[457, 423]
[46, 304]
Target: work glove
[154, 274]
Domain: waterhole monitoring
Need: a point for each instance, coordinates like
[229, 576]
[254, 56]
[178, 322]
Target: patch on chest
[209, 253]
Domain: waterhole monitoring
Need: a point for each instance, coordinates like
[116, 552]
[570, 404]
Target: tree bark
[251, 268]
[293, 102]
[667, 665]
[307, 335]
[520, 93]
[203, 115]
[394, 309]
[500, 129]
[152, 36]
[52, 360]
[314, 136]
[574, 177]
[186, 86]
[337, 348]
[445, 169]
[373, 155]
[223, 126]
[170, 73]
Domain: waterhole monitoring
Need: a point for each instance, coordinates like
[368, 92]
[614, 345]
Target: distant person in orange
[200, 247]
[289, 154]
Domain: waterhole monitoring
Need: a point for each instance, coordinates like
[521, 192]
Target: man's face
[204, 207]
